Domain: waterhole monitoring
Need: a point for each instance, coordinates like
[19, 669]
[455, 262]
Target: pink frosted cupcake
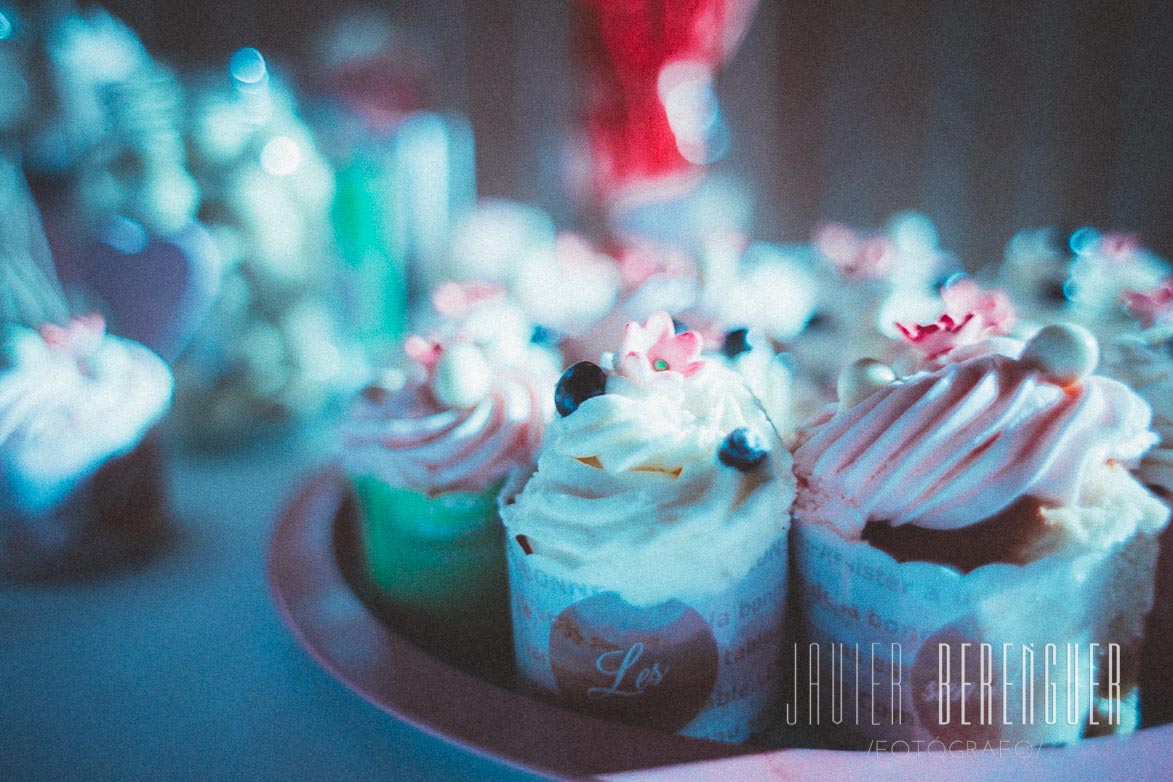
[984, 500]
[427, 458]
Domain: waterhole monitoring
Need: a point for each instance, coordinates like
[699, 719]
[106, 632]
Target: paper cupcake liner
[904, 618]
[706, 668]
[1156, 670]
[438, 566]
[117, 514]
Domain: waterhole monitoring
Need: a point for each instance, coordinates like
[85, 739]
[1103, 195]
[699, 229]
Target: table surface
[182, 669]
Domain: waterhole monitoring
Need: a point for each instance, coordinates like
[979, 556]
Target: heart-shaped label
[649, 667]
[152, 290]
[956, 691]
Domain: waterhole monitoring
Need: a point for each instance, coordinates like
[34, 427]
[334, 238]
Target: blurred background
[987, 117]
[265, 191]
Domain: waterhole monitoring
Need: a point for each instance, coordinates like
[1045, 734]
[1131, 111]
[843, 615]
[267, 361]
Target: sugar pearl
[862, 379]
[462, 376]
[1064, 353]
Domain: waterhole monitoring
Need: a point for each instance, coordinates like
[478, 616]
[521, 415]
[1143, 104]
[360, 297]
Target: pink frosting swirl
[407, 439]
[949, 448]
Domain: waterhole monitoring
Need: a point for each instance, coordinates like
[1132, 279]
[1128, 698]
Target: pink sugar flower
[425, 352]
[971, 315]
[857, 257]
[455, 299]
[993, 307]
[1154, 308]
[655, 347]
[80, 337]
[936, 339]
[1118, 246]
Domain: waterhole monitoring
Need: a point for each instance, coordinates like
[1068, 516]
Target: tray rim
[302, 571]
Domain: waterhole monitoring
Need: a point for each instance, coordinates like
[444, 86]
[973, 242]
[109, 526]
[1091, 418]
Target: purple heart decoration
[156, 291]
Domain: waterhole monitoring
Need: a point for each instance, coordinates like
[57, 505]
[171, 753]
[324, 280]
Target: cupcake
[765, 287]
[1083, 279]
[649, 277]
[80, 484]
[1106, 266]
[426, 458]
[566, 286]
[753, 301]
[868, 281]
[1034, 271]
[647, 549]
[980, 506]
[1144, 361]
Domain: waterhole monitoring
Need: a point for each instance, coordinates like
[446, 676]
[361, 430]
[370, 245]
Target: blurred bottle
[405, 170]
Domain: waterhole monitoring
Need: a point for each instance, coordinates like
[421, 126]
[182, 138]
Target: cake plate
[312, 562]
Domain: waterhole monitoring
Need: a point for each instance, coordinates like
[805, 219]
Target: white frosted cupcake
[80, 484]
[1107, 265]
[647, 551]
[1083, 278]
[80, 475]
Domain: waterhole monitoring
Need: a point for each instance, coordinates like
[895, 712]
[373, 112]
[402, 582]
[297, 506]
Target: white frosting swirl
[61, 418]
[769, 377]
[952, 447]
[629, 493]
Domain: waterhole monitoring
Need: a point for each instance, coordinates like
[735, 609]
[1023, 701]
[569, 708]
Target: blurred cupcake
[80, 482]
[1144, 361]
[426, 459]
[764, 287]
[647, 278]
[984, 500]
[1106, 266]
[867, 281]
[1034, 272]
[754, 301]
[567, 287]
[1083, 278]
[647, 551]
[271, 353]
